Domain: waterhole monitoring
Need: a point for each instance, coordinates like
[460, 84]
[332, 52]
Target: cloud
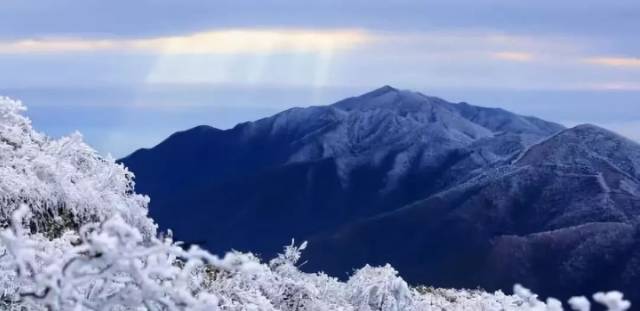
[618, 86]
[513, 56]
[629, 62]
[318, 58]
[59, 45]
[231, 41]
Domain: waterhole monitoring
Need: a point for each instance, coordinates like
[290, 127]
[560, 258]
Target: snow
[359, 131]
[580, 304]
[386, 120]
[111, 267]
[64, 178]
[596, 145]
[612, 300]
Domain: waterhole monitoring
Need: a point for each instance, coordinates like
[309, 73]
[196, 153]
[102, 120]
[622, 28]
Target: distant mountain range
[450, 194]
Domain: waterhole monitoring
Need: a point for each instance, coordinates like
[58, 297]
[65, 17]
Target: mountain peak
[592, 131]
[385, 91]
[589, 146]
[387, 97]
[381, 91]
[588, 127]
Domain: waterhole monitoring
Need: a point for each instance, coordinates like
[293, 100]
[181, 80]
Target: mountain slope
[308, 170]
[561, 218]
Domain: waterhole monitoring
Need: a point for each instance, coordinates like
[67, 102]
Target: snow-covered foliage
[110, 266]
[76, 237]
[64, 181]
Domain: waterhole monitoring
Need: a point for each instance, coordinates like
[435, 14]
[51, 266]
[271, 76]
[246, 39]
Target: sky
[127, 74]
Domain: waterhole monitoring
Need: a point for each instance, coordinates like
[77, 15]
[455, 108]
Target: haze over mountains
[450, 194]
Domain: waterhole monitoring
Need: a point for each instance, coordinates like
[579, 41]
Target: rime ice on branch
[64, 182]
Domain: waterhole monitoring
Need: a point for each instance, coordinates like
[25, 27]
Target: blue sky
[128, 73]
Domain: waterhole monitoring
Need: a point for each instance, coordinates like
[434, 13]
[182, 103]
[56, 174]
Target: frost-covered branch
[110, 266]
[64, 181]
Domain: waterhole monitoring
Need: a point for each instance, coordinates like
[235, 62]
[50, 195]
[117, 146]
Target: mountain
[560, 218]
[450, 194]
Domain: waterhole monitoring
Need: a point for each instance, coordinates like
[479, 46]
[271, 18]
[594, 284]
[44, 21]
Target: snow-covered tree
[64, 182]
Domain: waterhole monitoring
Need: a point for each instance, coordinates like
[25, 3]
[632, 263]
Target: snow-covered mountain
[451, 194]
[562, 217]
